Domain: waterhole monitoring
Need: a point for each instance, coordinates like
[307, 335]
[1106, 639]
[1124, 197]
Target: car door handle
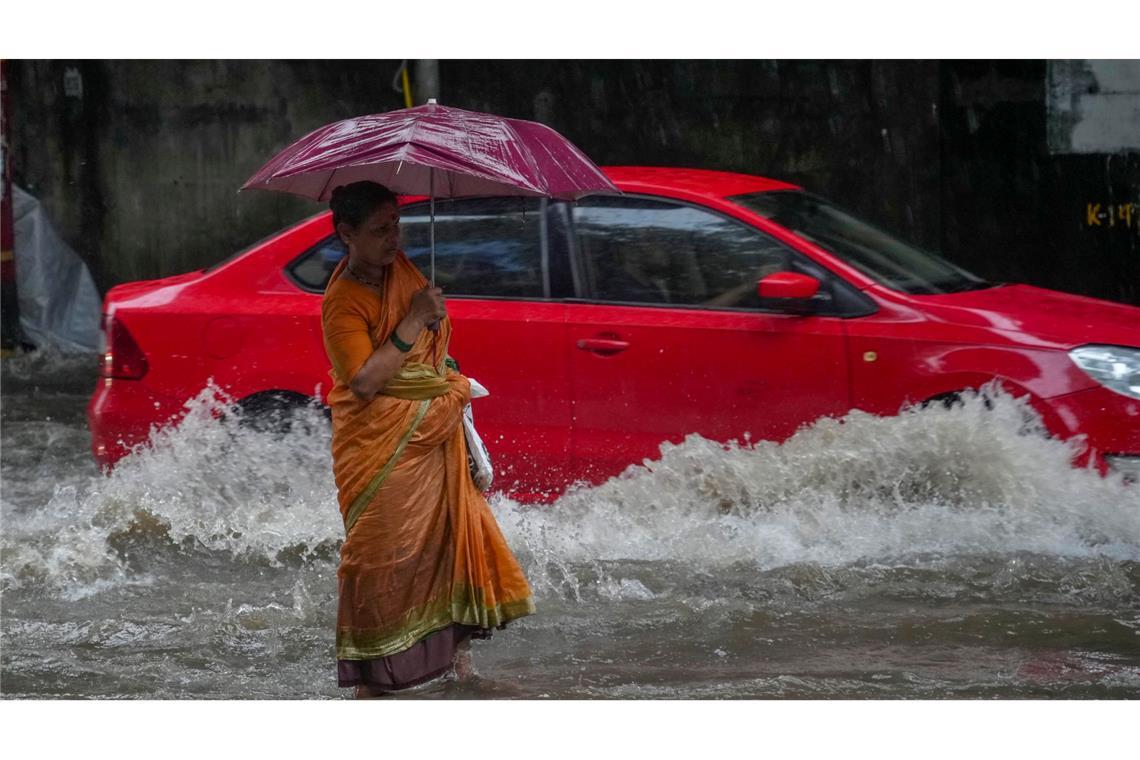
[604, 346]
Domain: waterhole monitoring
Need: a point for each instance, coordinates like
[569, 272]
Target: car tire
[277, 411]
[1032, 418]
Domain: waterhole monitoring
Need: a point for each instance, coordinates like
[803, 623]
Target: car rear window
[485, 247]
[313, 269]
[489, 247]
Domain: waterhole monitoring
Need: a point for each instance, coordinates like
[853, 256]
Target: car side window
[641, 250]
[313, 269]
[489, 247]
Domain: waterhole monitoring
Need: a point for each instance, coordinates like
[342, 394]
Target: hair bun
[352, 203]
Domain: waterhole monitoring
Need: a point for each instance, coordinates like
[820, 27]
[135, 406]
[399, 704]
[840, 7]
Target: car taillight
[124, 358]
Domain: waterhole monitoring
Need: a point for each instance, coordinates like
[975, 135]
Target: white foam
[970, 479]
[937, 481]
[208, 484]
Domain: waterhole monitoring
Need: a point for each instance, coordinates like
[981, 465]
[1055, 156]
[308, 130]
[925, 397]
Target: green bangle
[399, 344]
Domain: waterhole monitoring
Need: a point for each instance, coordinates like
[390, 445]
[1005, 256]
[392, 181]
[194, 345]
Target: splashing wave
[978, 478]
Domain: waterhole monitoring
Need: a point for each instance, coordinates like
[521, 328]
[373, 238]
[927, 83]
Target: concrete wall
[140, 169]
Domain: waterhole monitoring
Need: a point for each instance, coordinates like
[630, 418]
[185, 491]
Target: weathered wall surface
[1012, 210]
[140, 169]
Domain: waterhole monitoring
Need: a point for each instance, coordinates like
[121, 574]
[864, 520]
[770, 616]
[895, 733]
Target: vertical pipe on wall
[427, 81]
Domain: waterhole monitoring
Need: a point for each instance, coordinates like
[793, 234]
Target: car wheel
[946, 401]
[954, 399]
[1032, 417]
[279, 411]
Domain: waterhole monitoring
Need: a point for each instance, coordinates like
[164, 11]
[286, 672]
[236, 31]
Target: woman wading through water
[424, 567]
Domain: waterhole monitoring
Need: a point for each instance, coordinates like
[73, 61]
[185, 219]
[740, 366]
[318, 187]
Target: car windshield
[877, 254]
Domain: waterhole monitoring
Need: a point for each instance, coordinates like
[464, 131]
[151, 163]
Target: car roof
[665, 180]
[706, 182]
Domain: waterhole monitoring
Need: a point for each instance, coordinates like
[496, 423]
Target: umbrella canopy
[434, 150]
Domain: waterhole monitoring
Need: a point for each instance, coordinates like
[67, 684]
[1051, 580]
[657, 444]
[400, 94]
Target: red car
[697, 302]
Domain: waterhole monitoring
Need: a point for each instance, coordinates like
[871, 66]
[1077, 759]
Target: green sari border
[362, 500]
[437, 615]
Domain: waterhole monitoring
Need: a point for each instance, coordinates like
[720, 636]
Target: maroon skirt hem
[427, 659]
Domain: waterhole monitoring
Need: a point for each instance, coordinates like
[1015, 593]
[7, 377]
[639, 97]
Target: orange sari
[424, 564]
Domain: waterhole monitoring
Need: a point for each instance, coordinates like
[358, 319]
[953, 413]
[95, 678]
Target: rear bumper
[120, 416]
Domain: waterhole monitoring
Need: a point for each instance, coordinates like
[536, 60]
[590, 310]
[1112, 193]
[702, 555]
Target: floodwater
[946, 553]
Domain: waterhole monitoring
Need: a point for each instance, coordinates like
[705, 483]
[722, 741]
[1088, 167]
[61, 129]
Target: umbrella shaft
[431, 226]
[434, 326]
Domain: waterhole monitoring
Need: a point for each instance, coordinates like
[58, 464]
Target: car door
[504, 268]
[675, 340]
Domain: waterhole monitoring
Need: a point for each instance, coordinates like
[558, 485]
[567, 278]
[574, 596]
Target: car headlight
[1115, 367]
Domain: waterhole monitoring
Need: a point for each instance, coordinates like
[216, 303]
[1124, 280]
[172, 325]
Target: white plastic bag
[478, 458]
